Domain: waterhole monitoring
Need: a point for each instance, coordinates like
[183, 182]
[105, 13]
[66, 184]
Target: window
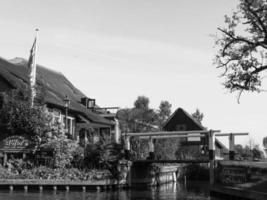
[71, 123]
[58, 116]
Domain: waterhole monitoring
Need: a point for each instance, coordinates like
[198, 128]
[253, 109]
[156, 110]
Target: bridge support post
[211, 155]
[231, 147]
[151, 149]
[127, 147]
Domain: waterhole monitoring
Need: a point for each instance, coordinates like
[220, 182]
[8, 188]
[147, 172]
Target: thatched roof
[57, 86]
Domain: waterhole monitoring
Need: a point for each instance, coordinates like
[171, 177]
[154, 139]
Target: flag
[32, 69]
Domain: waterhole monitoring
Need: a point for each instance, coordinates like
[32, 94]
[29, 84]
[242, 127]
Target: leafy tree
[165, 147]
[251, 151]
[265, 144]
[63, 149]
[198, 115]
[17, 117]
[164, 112]
[142, 103]
[242, 47]
[142, 118]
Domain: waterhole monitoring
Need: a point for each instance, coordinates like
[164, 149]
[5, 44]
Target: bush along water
[97, 162]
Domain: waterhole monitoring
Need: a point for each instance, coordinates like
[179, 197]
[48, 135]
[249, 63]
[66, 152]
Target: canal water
[173, 191]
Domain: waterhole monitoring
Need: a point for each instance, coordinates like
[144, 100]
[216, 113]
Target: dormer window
[88, 103]
[91, 103]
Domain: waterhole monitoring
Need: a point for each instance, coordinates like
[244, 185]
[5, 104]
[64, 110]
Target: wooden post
[5, 159]
[117, 132]
[84, 188]
[127, 147]
[127, 143]
[211, 155]
[151, 148]
[231, 147]
[11, 187]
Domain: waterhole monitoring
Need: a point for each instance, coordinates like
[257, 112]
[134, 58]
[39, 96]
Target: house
[180, 120]
[81, 117]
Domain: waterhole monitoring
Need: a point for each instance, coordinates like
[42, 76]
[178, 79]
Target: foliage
[242, 47]
[6, 174]
[92, 155]
[264, 142]
[248, 152]
[140, 118]
[17, 117]
[104, 156]
[165, 148]
[142, 103]
[111, 155]
[190, 152]
[164, 112]
[46, 173]
[198, 115]
[63, 149]
[78, 157]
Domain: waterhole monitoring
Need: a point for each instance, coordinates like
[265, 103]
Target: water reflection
[192, 191]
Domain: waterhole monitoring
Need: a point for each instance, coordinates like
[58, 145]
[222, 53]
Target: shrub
[63, 149]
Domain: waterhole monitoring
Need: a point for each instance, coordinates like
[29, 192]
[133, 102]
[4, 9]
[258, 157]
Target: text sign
[15, 144]
[233, 175]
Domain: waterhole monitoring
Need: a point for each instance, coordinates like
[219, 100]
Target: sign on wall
[233, 175]
[16, 143]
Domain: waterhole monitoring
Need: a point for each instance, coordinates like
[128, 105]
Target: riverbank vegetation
[54, 155]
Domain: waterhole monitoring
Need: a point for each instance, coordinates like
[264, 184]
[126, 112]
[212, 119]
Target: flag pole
[33, 68]
[35, 56]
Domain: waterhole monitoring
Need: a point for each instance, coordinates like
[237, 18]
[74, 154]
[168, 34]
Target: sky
[116, 50]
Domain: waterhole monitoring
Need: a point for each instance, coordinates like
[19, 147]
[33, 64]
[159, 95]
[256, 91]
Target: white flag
[32, 69]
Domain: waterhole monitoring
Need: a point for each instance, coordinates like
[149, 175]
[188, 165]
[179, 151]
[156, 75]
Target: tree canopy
[242, 47]
[198, 115]
[18, 117]
[143, 118]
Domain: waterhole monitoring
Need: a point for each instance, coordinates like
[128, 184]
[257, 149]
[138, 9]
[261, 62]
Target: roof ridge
[188, 115]
[24, 61]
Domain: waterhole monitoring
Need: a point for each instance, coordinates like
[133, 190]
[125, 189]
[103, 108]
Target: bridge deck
[172, 161]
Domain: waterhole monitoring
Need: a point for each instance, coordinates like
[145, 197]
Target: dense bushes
[104, 156]
[63, 150]
[46, 173]
[100, 161]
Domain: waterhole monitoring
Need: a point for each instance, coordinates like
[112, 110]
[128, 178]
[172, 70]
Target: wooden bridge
[210, 134]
